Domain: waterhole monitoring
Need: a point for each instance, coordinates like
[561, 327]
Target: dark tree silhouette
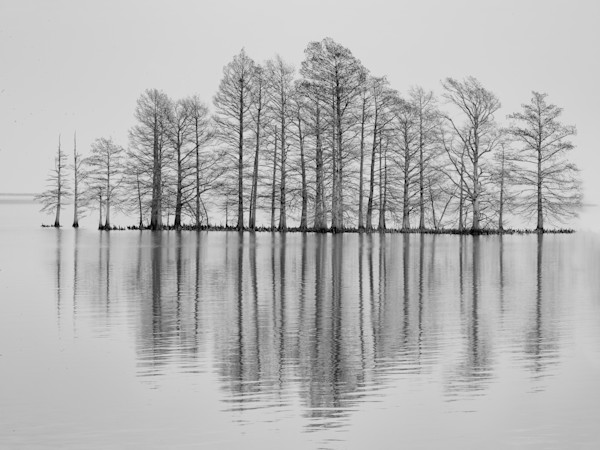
[477, 136]
[58, 191]
[550, 182]
[232, 104]
[105, 166]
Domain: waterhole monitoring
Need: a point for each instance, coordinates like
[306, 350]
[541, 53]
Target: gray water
[147, 340]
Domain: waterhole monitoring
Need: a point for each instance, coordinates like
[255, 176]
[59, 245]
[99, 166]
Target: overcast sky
[69, 66]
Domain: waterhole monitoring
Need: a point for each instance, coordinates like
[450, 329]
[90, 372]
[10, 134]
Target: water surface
[267, 340]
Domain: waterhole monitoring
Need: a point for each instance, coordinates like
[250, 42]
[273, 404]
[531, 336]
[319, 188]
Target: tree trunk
[361, 224]
[501, 209]
[139, 195]
[197, 142]
[475, 200]
[320, 221]
[178, 195]
[372, 178]
[540, 211]
[273, 189]
[421, 173]
[59, 185]
[383, 195]
[156, 213]
[100, 223]
[476, 186]
[57, 216]
[254, 193]
[334, 161]
[240, 222]
[75, 184]
[227, 213]
[107, 221]
[338, 168]
[304, 212]
[435, 224]
[282, 191]
[405, 205]
[75, 203]
[461, 198]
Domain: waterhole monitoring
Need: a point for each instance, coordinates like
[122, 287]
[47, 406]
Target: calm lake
[220, 340]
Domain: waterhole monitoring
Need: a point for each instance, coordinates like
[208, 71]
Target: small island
[327, 148]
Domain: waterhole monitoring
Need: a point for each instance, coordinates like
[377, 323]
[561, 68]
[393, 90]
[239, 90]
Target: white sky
[81, 65]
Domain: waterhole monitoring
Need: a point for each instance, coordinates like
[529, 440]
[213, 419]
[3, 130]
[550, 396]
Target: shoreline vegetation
[450, 231]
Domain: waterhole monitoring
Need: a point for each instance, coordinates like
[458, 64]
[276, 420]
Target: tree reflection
[329, 317]
[541, 342]
[58, 276]
[474, 369]
[75, 277]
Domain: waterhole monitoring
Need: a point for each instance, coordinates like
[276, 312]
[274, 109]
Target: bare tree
[338, 76]
[206, 170]
[408, 158]
[232, 103]
[137, 186]
[424, 103]
[477, 136]
[504, 174]
[148, 139]
[280, 90]
[58, 191]
[299, 112]
[383, 99]
[105, 166]
[180, 133]
[79, 175]
[274, 177]
[259, 104]
[315, 129]
[550, 182]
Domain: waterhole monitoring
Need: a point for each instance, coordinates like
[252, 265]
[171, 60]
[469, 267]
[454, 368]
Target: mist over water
[268, 340]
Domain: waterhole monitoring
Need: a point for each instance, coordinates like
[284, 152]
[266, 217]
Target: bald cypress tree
[106, 167]
[477, 134]
[233, 102]
[338, 78]
[58, 191]
[148, 139]
[550, 182]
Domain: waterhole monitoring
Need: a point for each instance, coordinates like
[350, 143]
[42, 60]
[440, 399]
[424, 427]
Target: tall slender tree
[478, 135]
[338, 75]
[281, 83]
[383, 99]
[316, 129]
[58, 191]
[205, 165]
[364, 117]
[299, 112]
[549, 180]
[409, 156]
[424, 103]
[148, 139]
[233, 102]
[503, 176]
[106, 165]
[260, 103]
[79, 174]
[180, 134]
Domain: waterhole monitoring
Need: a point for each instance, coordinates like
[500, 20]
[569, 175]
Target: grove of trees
[327, 147]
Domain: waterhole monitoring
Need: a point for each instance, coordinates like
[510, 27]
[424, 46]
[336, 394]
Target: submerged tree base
[468, 232]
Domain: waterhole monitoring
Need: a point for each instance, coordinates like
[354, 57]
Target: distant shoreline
[17, 194]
